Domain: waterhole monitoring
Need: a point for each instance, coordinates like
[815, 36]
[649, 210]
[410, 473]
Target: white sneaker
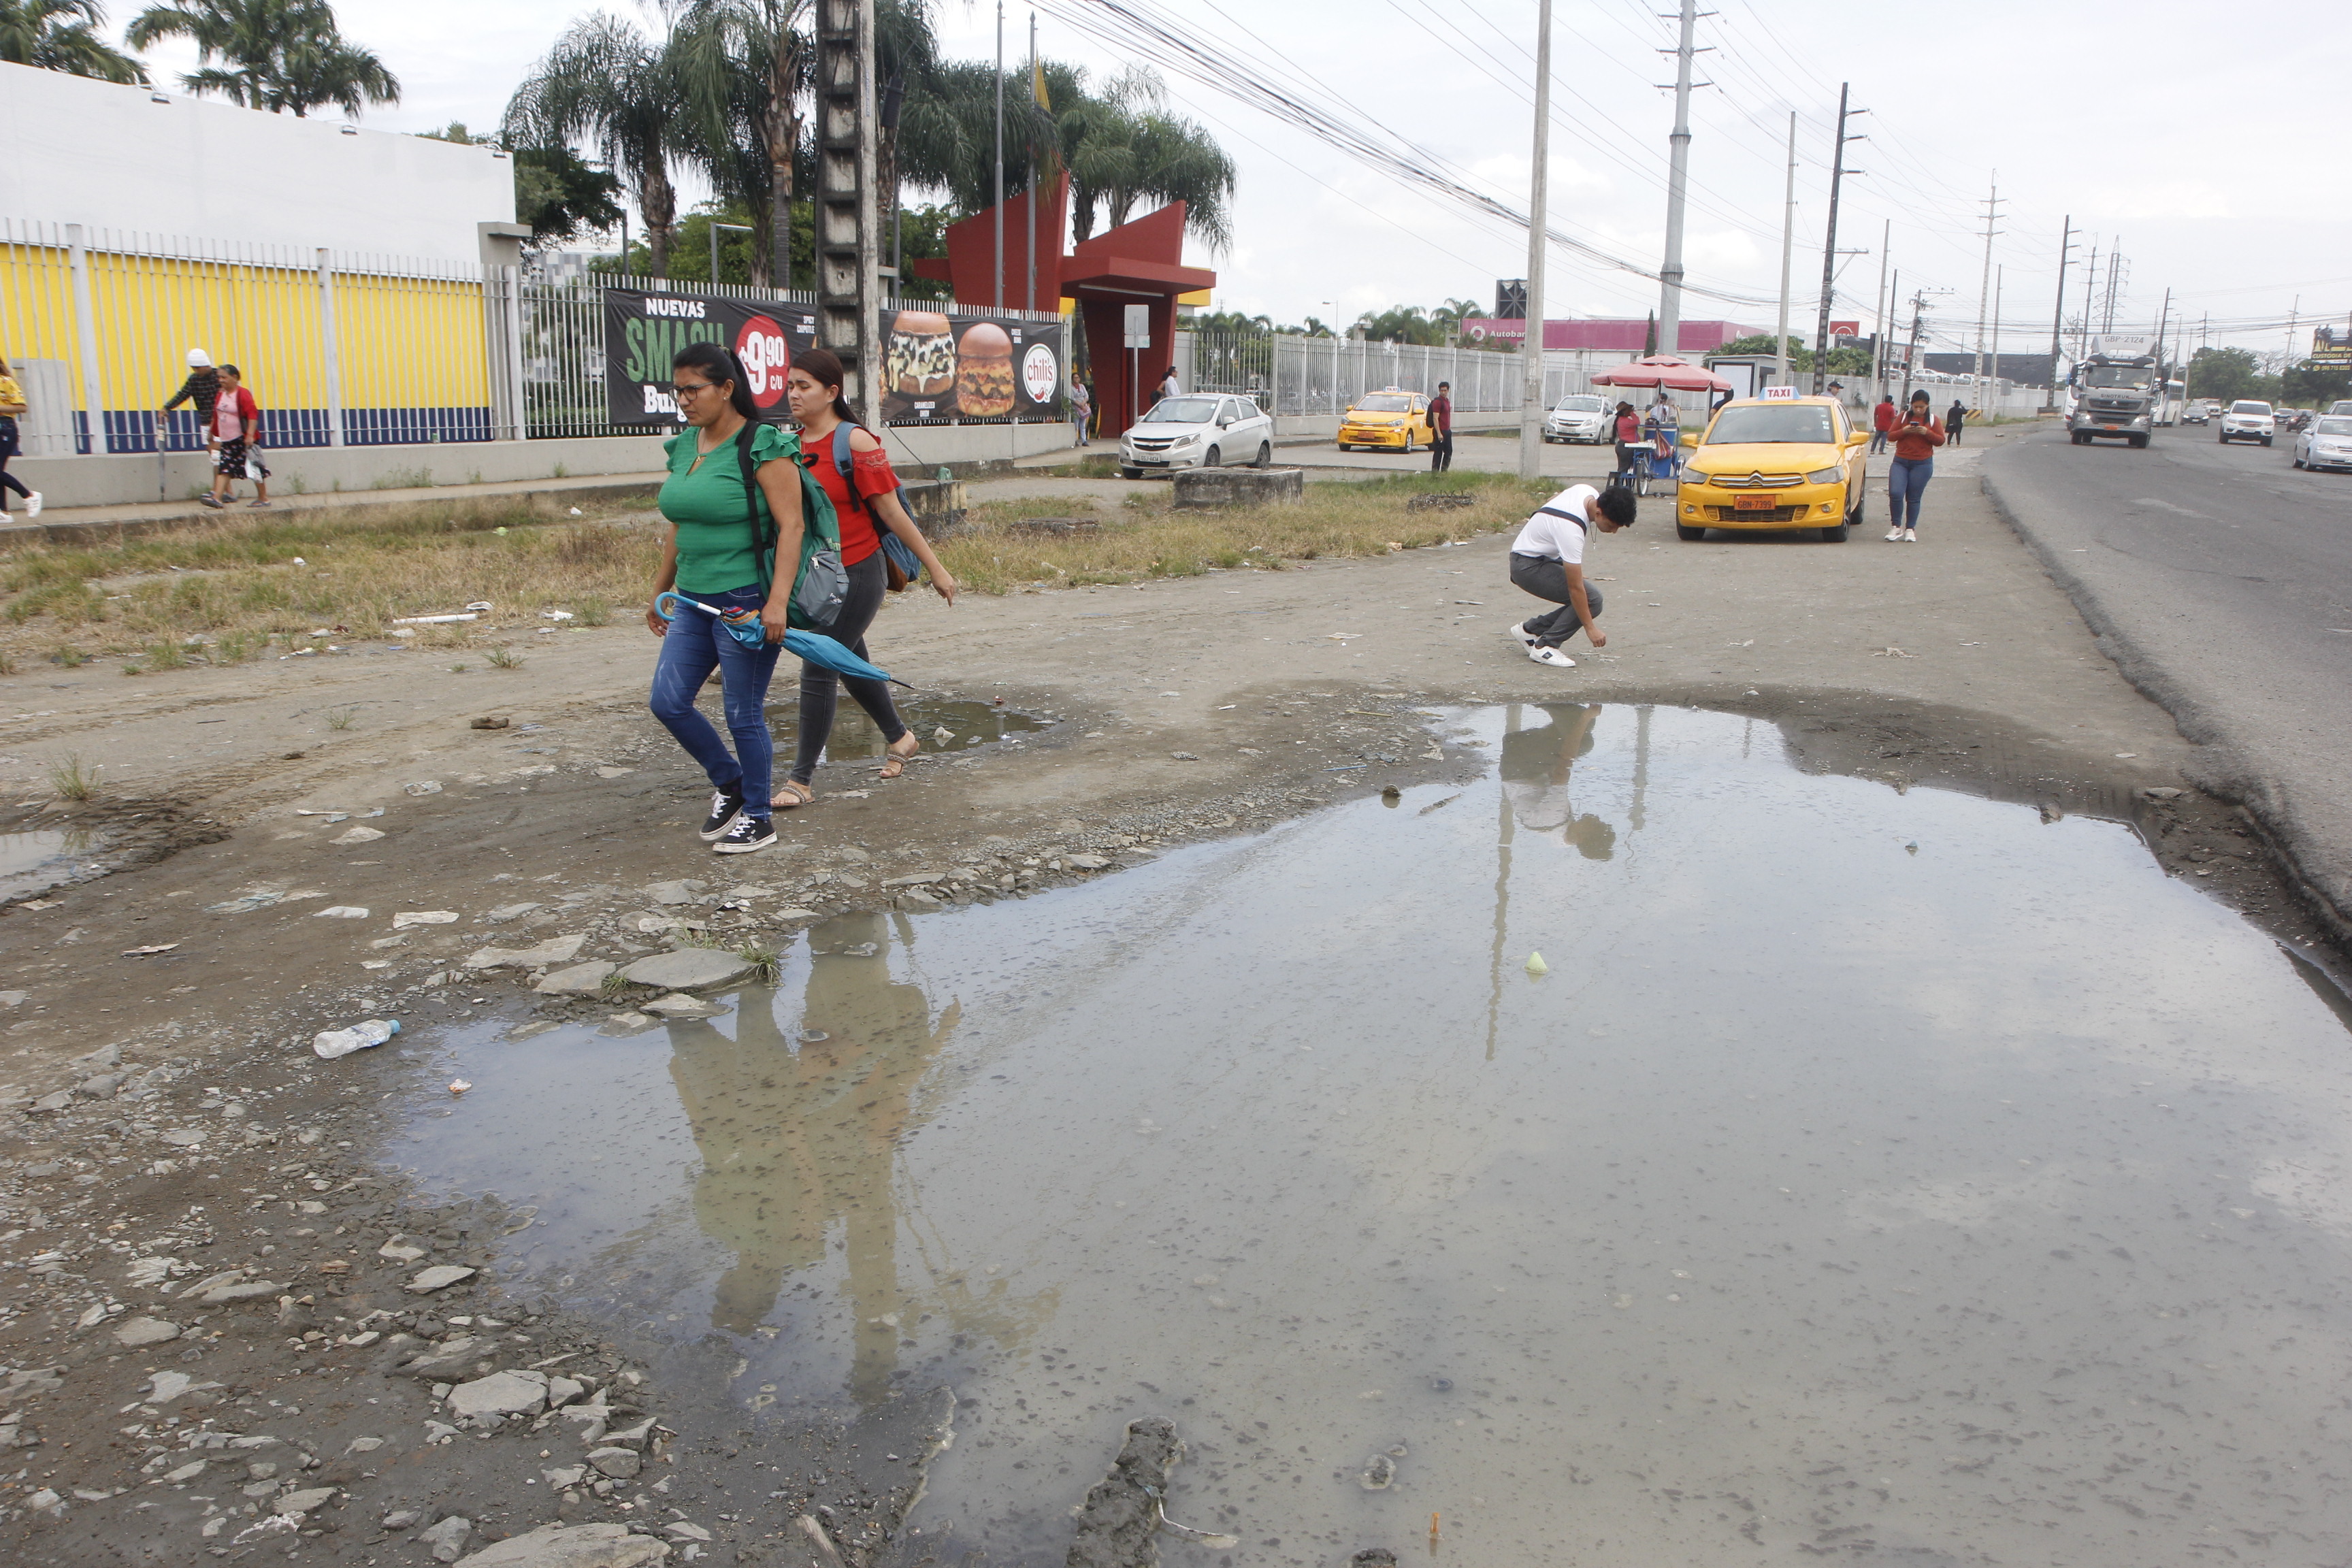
[33, 504]
[1893, 536]
[1551, 656]
[1910, 536]
[1519, 630]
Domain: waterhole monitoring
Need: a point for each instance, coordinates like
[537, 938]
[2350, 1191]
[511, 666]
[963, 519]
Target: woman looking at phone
[1915, 436]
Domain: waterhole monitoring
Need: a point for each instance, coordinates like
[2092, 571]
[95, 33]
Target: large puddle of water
[1898, 1176]
[37, 861]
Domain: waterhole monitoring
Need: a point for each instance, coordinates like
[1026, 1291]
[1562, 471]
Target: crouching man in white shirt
[1548, 561]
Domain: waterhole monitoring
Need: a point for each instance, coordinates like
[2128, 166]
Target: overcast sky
[2200, 147]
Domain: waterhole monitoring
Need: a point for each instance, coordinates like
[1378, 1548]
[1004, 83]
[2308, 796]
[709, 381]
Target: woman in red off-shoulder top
[864, 499]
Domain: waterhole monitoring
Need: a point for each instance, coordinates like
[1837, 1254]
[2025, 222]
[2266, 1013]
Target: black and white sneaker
[749, 833]
[724, 810]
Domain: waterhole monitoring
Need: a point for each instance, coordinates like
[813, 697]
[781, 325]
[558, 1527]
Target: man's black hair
[232, 370]
[1444, 386]
[1617, 505]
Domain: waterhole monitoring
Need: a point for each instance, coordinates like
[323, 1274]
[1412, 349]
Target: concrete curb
[2220, 767]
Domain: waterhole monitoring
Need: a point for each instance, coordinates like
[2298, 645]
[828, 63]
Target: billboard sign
[2331, 345]
[935, 366]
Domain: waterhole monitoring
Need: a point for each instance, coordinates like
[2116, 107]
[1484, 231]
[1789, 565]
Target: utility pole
[1029, 296]
[1992, 387]
[1911, 355]
[1788, 237]
[1531, 345]
[1894, 296]
[2058, 312]
[2163, 322]
[1878, 324]
[2287, 358]
[1000, 155]
[1838, 171]
[2090, 287]
[847, 222]
[1984, 286]
[1670, 276]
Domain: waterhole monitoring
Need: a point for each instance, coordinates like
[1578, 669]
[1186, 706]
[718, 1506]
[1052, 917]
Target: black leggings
[867, 582]
[9, 481]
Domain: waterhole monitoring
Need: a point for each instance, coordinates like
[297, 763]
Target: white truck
[2114, 391]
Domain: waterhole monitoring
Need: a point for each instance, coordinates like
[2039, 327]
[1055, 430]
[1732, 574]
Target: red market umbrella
[1663, 370]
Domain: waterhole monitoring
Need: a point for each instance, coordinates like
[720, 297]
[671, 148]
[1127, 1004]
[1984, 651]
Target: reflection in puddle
[1872, 1172]
[35, 862]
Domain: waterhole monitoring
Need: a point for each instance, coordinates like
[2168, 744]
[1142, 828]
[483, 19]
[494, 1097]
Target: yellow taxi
[1391, 418]
[1775, 463]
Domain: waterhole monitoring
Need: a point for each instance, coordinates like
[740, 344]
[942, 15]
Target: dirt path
[241, 819]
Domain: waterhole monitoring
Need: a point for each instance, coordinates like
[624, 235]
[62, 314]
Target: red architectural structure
[1138, 263]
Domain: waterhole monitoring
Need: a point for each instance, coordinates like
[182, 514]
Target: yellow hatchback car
[1775, 463]
[1391, 418]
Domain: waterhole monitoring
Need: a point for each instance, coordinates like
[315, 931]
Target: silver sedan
[2324, 443]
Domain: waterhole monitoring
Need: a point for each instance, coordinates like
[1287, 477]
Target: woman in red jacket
[235, 440]
[1915, 435]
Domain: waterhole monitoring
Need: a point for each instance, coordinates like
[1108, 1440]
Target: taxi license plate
[1756, 503]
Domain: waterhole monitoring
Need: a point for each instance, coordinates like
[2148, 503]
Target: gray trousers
[1548, 579]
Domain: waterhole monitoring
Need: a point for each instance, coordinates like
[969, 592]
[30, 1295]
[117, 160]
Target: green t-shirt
[714, 541]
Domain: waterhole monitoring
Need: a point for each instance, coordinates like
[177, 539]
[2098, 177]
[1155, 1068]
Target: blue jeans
[1906, 484]
[695, 645]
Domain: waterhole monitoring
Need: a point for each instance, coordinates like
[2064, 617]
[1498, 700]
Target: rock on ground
[501, 1393]
[687, 969]
[580, 980]
[1119, 1524]
[577, 1546]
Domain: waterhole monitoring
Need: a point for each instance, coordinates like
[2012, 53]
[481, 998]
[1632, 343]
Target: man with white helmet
[202, 385]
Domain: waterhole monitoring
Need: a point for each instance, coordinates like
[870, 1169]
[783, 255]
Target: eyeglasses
[689, 388]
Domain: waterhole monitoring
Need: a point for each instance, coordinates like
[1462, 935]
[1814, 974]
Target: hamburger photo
[985, 371]
[922, 361]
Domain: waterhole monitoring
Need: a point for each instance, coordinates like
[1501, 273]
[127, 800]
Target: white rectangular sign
[1782, 390]
[1139, 326]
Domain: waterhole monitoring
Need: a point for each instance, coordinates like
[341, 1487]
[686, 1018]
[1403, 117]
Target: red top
[239, 409]
[1883, 417]
[1917, 441]
[1441, 414]
[1629, 429]
[872, 472]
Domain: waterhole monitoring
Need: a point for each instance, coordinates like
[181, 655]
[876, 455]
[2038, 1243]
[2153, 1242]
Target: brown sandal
[790, 795]
[895, 763]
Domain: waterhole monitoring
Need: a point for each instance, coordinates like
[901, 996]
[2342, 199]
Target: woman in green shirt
[713, 557]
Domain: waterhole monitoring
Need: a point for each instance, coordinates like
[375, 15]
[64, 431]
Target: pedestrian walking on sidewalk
[1916, 439]
[1882, 420]
[202, 389]
[1082, 407]
[1441, 429]
[716, 555]
[235, 437]
[1548, 561]
[1169, 387]
[12, 405]
[874, 520]
[1954, 417]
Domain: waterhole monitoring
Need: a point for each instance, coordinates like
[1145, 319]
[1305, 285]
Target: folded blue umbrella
[744, 626]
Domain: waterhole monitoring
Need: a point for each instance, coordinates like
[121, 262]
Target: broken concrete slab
[570, 1546]
[580, 980]
[687, 969]
[555, 950]
[500, 1394]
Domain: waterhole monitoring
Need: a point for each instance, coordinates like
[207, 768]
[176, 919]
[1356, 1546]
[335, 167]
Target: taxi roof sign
[1783, 391]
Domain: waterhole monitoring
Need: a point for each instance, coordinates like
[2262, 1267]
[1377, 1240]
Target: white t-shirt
[1557, 538]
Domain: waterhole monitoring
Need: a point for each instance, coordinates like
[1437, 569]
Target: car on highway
[1797, 462]
[1390, 419]
[1197, 430]
[2340, 407]
[2249, 420]
[1581, 419]
[2328, 444]
[2196, 412]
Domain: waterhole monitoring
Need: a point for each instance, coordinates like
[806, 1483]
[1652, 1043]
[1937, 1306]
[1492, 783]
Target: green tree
[279, 54]
[2227, 374]
[62, 36]
[605, 82]
[2309, 385]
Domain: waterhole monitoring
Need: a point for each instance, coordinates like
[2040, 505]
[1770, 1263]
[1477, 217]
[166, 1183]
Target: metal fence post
[85, 331]
[331, 356]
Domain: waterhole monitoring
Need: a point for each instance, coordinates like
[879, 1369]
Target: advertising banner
[2331, 346]
[936, 367]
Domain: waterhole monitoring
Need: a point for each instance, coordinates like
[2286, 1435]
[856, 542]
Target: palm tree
[62, 36]
[605, 82]
[276, 55]
[739, 65]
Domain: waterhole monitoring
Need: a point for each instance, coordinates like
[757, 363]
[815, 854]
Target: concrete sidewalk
[61, 525]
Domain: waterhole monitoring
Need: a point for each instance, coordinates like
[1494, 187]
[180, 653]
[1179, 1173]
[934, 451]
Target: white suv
[2249, 421]
[1197, 430]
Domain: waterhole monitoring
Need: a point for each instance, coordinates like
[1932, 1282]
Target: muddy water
[35, 862]
[1895, 1175]
[967, 724]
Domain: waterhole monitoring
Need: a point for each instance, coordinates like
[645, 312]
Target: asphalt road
[2220, 580]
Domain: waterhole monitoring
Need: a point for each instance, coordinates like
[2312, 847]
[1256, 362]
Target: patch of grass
[1149, 538]
[416, 479]
[506, 658]
[367, 566]
[70, 657]
[593, 611]
[459, 669]
[614, 988]
[69, 780]
[763, 959]
[166, 655]
[343, 718]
